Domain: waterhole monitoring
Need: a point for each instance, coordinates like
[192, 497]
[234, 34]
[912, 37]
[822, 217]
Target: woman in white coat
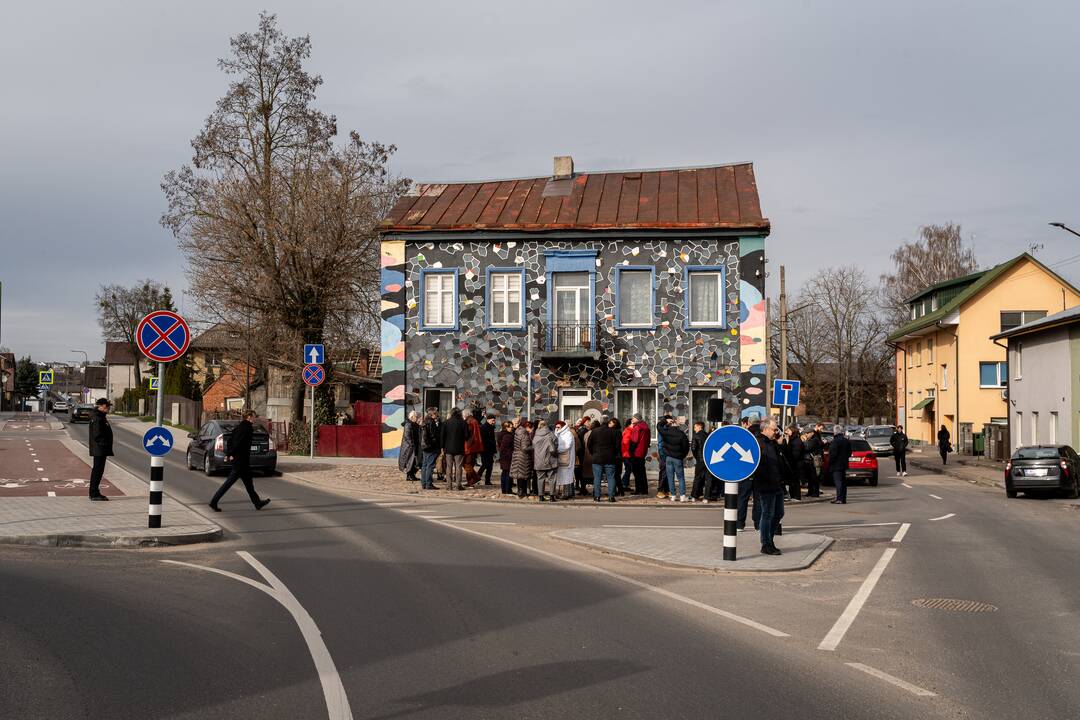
[564, 478]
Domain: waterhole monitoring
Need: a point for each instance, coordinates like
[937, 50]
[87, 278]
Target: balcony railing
[567, 340]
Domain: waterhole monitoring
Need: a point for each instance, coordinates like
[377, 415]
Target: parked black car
[1043, 467]
[206, 449]
[79, 411]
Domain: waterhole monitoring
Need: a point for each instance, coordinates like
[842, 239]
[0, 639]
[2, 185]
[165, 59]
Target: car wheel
[1074, 491]
[873, 480]
[1010, 493]
[187, 456]
[207, 468]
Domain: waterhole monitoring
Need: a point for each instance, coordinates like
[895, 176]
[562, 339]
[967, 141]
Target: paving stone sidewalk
[700, 548]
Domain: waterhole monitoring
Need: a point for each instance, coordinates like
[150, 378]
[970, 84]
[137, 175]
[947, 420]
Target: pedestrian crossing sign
[155, 383]
[45, 377]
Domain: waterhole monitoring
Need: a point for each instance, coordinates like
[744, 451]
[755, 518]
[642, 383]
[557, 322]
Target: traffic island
[700, 549]
[78, 522]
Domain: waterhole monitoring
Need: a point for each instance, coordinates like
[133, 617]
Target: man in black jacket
[487, 456]
[430, 446]
[455, 433]
[238, 452]
[703, 479]
[839, 455]
[768, 482]
[604, 446]
[676, 447]
[101, 445]
[815, 456]
[899, 442]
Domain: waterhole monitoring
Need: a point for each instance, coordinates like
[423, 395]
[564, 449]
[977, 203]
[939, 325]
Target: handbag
[440, 463]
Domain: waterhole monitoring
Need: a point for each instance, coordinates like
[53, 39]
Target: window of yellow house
[930, 351]
[918, 354]
[944, 376]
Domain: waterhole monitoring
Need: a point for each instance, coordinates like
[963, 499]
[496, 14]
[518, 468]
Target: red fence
[350, 441]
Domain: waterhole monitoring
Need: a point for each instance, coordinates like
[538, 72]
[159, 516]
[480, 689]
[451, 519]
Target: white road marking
[907, 486]
[389, 503]
[44, 479]
[673, 527]
[623, 578]
[936, 497]
[913, 689]
[843, 623]
[899, 536]
[434, 517]
[481, 522]
[52, 494]
[41, 469]
[337, 702]
[721, 527]
[415, 511]
[943, 517]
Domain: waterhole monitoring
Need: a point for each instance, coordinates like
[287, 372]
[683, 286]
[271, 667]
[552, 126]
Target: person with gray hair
[410, 446]
[545, 460]
[768, 482]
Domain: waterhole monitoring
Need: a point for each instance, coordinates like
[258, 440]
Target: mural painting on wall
[752, 327]
[488, 366]
[392, 282]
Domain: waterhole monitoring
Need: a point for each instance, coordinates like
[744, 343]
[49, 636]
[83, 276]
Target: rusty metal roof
[717, 197]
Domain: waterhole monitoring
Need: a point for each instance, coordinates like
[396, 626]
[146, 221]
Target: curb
[93, 540]
[949, 471]
[809, 560]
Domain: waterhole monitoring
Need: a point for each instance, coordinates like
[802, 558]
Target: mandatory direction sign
[157, 441]
[314, 354]
[163, 336]
[785, 393]
[731, 453]
[314, 374]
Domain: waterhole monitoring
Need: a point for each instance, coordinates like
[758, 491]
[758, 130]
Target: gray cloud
[863, 120]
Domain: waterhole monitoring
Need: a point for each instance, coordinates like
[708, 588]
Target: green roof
[945, 284]
[982, 279]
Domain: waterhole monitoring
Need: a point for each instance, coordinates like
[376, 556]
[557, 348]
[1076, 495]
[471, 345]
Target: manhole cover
[954, 605]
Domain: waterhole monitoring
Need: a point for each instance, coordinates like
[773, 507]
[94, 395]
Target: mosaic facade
[489, 367]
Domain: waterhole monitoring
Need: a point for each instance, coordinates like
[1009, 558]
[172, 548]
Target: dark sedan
[79, 411]
[206, 449]
[1043, 467]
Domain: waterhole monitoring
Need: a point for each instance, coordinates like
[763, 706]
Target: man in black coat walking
[430, 445]
[768, 482]
[101, 445]
[238, 452]
[839, 454]
[487, 456]
[899, 443]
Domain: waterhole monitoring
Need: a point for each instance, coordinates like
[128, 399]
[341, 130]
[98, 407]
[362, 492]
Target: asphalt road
[426, 619]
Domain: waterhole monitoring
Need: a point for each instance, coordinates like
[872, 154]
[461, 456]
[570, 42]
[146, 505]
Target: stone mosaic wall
[489, 366]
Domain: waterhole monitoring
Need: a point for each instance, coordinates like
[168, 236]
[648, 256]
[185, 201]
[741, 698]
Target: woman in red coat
[474, 445]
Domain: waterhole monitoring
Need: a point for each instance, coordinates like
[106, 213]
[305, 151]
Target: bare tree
[121, 308]
[277, 224]
[938, 254]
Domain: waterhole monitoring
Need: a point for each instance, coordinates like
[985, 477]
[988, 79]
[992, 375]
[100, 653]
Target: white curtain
[705, 298]
[635, 297]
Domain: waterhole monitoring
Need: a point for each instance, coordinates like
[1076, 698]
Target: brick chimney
[564, 167]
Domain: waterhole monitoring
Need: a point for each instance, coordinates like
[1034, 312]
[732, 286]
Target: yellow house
[948, 370]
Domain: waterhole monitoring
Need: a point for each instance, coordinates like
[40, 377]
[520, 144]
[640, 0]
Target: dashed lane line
[936, 497]
[909, 487]
[479, 522]
[844, 622]
[943, 517]
[891, 679]
[899, 536]
[52, 493]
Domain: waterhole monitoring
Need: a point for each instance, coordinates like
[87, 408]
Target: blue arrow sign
[731, 453]
[313, 354]
[785, 393]
[157, 441]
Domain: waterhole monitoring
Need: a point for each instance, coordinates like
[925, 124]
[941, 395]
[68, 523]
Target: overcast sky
[864, 120]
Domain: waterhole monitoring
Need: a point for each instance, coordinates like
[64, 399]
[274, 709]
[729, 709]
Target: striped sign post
[731, 454]
[162, 336]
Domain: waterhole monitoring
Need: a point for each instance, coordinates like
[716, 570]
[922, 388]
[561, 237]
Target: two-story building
[949, 370]
[606, 292]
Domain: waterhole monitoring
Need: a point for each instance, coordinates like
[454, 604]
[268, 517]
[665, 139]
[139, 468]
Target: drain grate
[954, 605]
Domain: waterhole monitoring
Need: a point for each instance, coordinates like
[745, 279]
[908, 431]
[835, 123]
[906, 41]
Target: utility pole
[783, 340]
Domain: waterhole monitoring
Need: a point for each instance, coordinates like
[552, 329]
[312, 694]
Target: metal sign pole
[312, 446]
[731, 517]
[157, 464]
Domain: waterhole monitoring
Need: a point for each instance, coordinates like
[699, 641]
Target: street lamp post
[1064, 227]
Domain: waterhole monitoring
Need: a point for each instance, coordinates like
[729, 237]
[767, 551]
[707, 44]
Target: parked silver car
[878, 437]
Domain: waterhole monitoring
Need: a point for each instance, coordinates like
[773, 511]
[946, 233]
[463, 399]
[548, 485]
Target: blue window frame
[572, 261]
[629, 311]
[705, 297]
[501, 310]
[993, 374]
[439, 303]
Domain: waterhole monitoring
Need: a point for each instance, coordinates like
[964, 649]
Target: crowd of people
[555, 461]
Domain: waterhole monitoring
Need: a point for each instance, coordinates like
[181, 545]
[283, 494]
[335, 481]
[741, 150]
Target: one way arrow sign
[727, 465]
[744, 455]
[314, 355]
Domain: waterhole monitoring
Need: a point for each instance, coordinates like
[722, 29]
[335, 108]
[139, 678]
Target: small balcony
[567, 341]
